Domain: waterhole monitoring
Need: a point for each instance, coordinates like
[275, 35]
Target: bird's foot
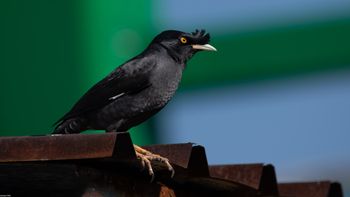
[147, 157]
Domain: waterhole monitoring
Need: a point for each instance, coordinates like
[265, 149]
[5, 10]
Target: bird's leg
[146, 157]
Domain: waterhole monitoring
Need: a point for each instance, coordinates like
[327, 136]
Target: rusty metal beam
[178, 154]
[311, 189]
[258, 176]
[193, 159]
[189, 156]
[63, 147]
[106, 164]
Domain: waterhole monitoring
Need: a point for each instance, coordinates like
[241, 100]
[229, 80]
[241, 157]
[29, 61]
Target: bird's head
[182, 46]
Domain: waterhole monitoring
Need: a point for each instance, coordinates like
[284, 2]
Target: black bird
[136, 90]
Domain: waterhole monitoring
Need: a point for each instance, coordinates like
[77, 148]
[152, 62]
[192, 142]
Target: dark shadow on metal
[123, 148]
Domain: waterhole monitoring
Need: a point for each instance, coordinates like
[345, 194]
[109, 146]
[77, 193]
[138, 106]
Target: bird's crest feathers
[201, 36]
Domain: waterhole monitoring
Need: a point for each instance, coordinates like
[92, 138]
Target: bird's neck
[176, 56]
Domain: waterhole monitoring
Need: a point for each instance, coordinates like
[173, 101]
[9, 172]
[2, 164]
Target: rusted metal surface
[246, 174]
[193, 172]
[106, 165]
[189, 156]
[311, 189]
[75, 146]
[178, 154]
[258, 176]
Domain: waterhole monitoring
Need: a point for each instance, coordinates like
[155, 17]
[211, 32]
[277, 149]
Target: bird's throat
[176, 56]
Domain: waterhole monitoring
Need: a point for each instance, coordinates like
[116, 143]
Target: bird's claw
[146, 163]
[163, 160]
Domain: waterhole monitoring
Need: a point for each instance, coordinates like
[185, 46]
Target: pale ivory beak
[206, 47]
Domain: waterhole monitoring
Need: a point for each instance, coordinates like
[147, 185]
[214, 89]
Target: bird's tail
[73, 125]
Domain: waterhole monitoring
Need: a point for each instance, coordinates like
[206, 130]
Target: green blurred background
[53, 51]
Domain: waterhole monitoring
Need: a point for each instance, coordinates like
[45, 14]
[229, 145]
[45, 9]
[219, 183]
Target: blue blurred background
[277, 91]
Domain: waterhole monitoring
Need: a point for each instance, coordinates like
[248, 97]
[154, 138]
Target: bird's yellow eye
[183, 40]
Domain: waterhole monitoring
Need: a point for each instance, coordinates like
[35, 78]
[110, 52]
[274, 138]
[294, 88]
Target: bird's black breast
[165, 81]
[132, 109]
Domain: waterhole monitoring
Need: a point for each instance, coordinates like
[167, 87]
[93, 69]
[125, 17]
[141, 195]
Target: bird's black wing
[130, 78]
